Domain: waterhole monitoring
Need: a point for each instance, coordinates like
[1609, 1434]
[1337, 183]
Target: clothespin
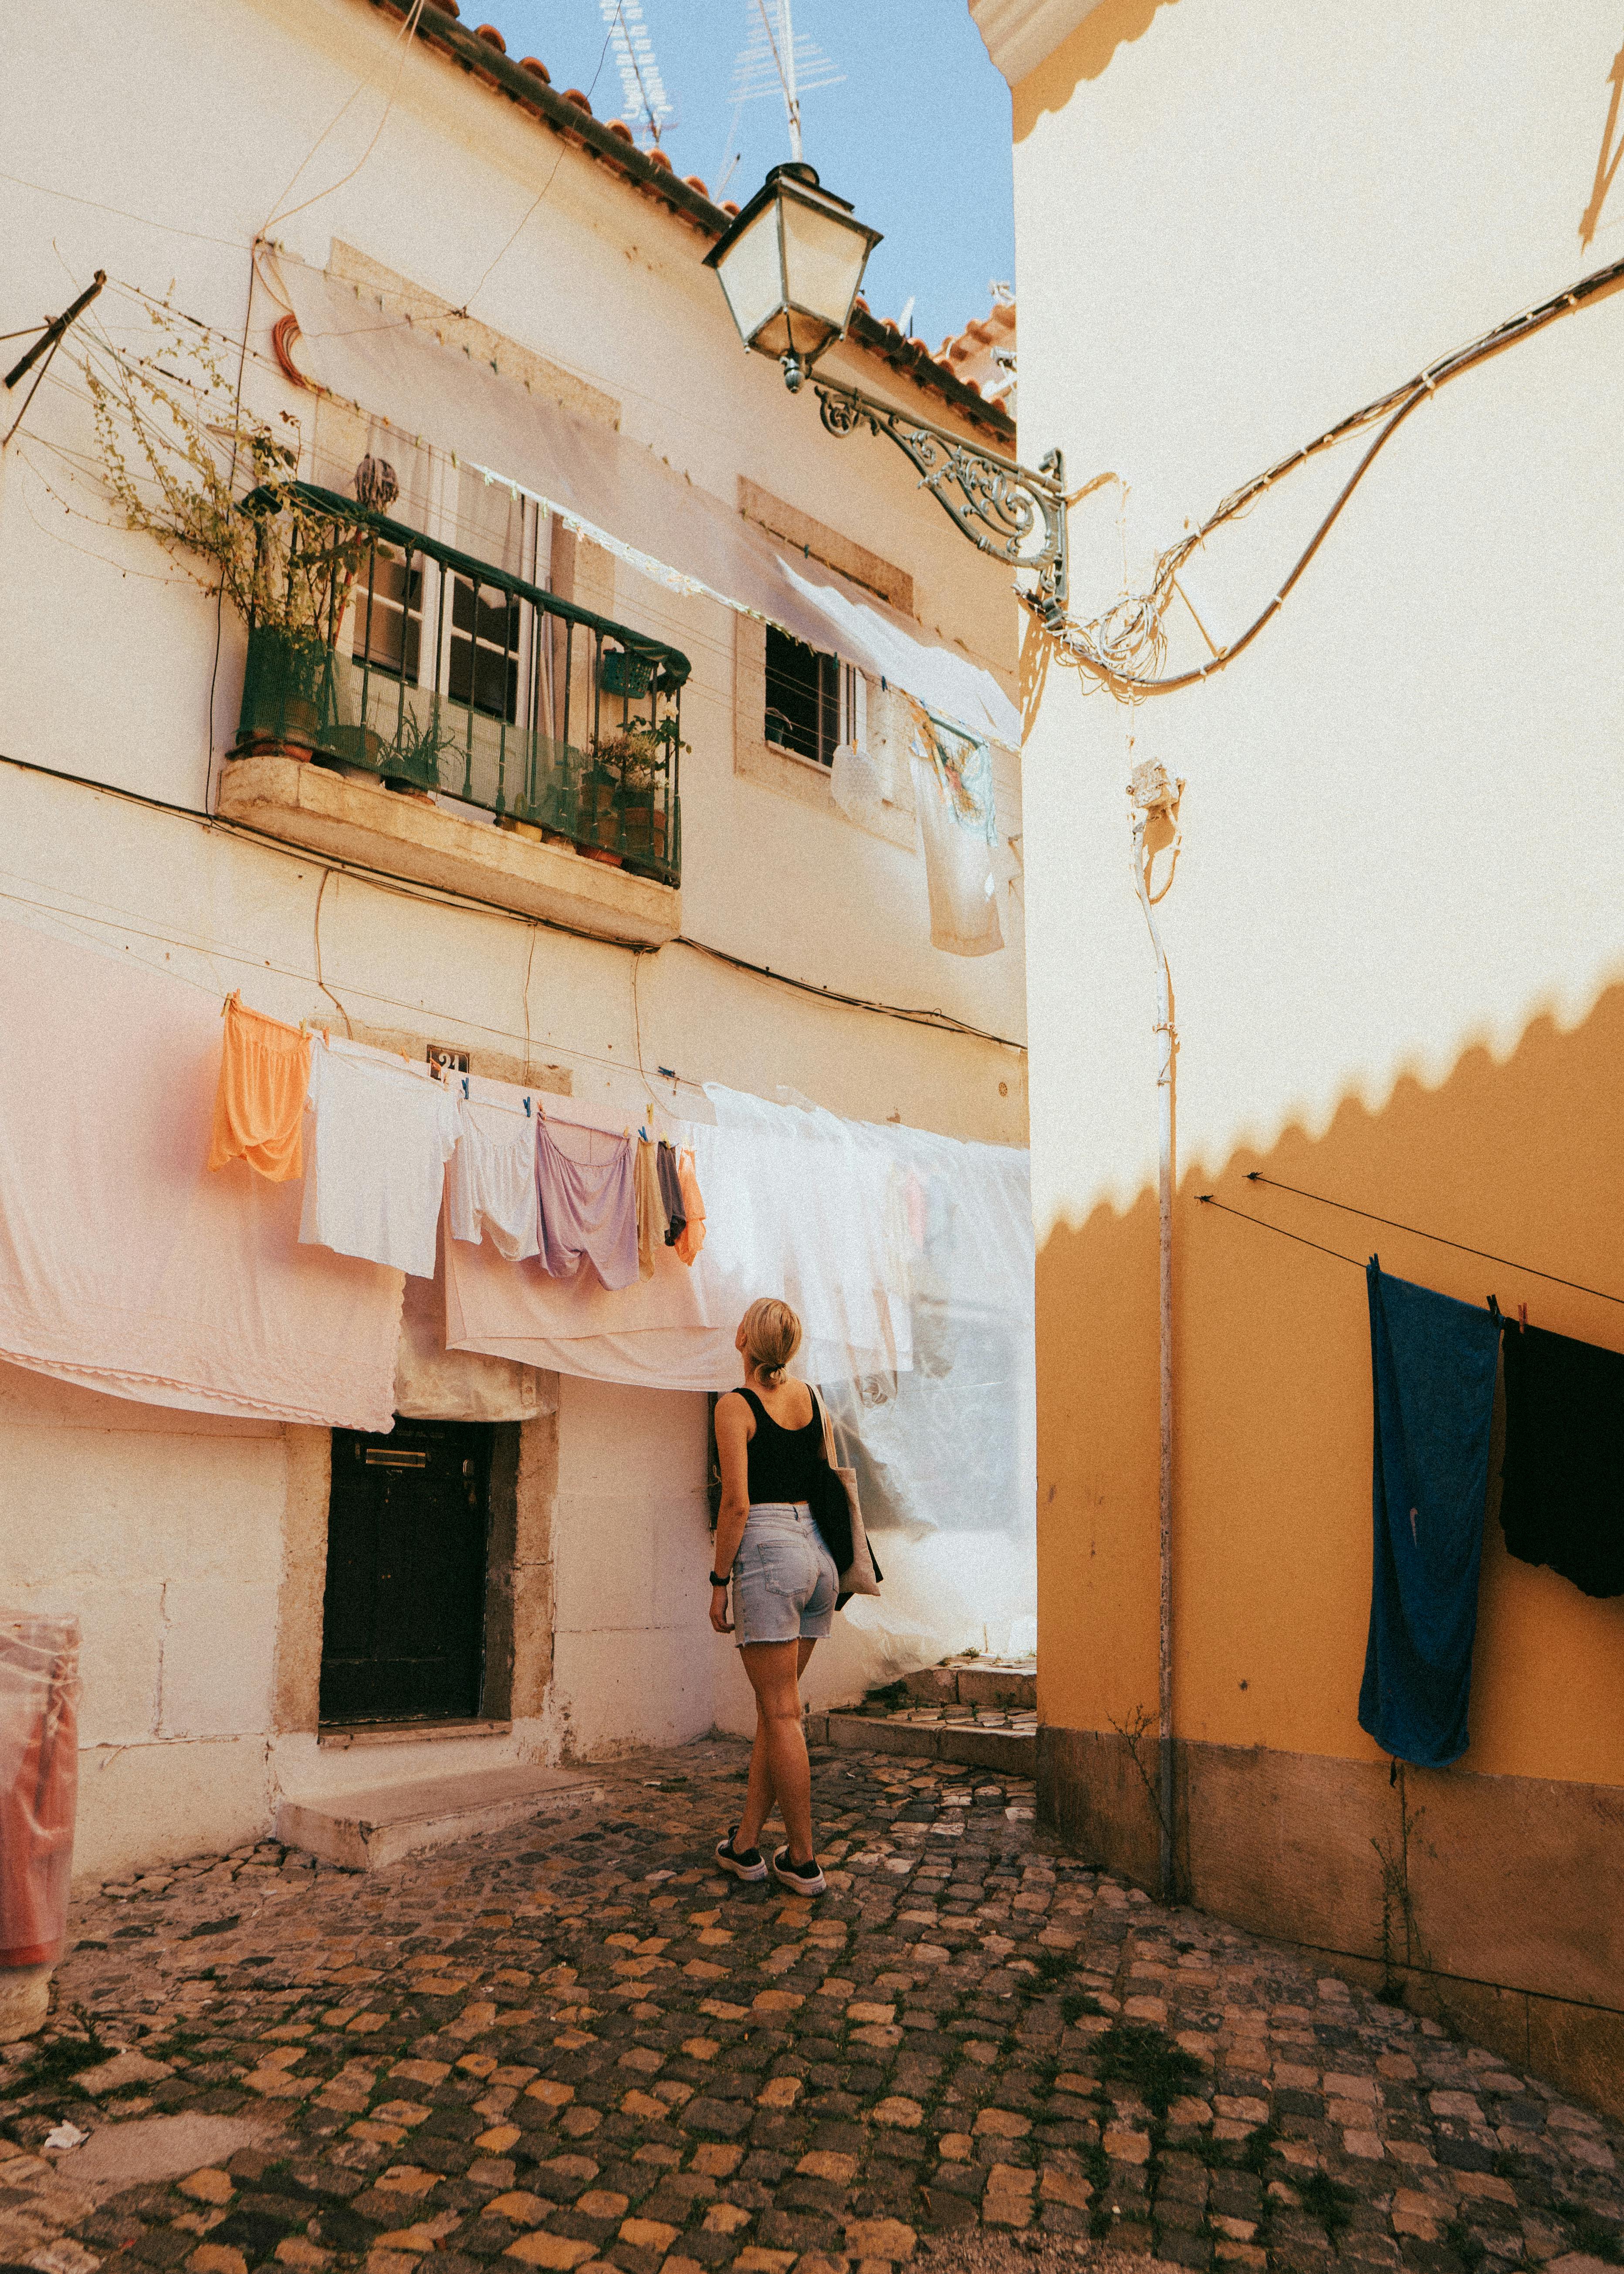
[527, 1109]
[465, 1085]
[1495, 1311]
[1521, 1315]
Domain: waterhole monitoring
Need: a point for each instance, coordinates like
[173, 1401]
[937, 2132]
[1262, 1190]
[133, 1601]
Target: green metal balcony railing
[382, 651]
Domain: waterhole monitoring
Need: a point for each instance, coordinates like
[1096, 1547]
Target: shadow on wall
[1479, 1878]
[1086, 55]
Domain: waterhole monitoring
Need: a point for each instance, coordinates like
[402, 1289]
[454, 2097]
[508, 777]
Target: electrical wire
[435, 897]
[536, 201]
[1123, 647]
[145, 221]
[402, 40]
[1257, 1177]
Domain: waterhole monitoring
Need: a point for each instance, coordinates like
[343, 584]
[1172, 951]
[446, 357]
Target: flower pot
[597, 852]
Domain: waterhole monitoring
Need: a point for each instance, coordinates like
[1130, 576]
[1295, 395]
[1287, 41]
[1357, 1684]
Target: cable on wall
[1124, 646]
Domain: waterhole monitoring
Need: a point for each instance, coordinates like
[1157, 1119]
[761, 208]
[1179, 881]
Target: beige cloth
[651, 1218]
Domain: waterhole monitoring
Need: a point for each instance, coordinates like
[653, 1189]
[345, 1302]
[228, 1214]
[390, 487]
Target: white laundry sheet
[379, 1131]
[128, 1267]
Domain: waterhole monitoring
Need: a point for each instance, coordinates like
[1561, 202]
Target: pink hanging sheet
[126, 1266]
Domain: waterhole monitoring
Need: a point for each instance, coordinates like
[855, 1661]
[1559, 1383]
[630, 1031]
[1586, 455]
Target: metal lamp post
[790, 267]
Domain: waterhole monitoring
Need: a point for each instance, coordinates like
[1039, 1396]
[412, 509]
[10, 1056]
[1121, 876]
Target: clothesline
[1257, 1177]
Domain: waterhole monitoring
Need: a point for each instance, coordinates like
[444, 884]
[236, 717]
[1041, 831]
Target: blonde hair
[771, 1338]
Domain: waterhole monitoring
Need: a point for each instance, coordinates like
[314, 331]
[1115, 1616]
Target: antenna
[775, 61]
[643, 90]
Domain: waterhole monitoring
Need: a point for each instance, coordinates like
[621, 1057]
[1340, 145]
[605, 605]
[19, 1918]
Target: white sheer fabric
[618, 492]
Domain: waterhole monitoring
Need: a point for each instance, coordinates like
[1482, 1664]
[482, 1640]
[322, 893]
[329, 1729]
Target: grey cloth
[671, 1195]
[588, 1202]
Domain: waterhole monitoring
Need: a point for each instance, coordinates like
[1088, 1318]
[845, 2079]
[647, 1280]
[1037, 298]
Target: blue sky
[917, 134]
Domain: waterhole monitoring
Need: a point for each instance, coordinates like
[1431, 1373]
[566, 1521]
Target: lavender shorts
[784, 1581]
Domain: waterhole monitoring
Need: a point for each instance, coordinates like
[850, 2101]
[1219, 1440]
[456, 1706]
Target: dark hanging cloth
[671, 1193]
[1433, 1365]
[1563, 1498]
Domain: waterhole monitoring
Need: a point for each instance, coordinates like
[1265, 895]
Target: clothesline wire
[1257, 1177]
[941, 1020]
[1263, 1224]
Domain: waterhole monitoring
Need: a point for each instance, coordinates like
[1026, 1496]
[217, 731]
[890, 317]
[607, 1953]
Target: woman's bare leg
[779, 1770]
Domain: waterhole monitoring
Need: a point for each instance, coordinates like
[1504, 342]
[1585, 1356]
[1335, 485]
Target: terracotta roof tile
[483, 54]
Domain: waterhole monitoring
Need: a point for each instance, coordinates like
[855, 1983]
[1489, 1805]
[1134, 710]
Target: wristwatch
[716, 1582]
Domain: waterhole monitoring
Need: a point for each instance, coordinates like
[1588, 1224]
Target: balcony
[411, 707]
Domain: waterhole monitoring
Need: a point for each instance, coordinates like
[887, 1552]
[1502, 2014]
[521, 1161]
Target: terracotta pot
[270, 746]
[597, 852]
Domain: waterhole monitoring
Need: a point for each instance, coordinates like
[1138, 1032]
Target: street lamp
[790, 266]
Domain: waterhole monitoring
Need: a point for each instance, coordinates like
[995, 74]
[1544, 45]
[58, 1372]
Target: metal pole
[1164, 1199]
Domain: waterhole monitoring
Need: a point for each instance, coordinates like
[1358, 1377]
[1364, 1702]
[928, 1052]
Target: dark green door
[403, 1623]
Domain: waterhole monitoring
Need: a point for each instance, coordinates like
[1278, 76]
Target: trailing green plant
[1135, 2053]
[214, 485]
[639, 751]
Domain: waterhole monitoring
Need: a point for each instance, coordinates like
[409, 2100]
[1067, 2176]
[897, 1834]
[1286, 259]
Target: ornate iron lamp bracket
[1003, 508]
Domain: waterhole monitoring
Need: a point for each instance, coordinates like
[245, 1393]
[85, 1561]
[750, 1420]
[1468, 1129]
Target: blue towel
[1432, 1363]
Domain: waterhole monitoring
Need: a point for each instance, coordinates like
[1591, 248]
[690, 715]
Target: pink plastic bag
[39, 1782]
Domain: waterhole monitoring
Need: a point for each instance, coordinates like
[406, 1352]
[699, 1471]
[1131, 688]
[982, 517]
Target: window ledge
[359, 820]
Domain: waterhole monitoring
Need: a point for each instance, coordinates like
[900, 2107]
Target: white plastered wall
[167, 1534]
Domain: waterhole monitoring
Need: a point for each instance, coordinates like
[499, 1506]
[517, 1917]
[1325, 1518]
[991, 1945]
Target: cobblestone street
[575, 2045]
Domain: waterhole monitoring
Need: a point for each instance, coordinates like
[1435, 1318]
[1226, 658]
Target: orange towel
[691, 1239]
[259, 1105]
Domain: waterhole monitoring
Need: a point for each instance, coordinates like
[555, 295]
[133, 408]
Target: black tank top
[781, 1460]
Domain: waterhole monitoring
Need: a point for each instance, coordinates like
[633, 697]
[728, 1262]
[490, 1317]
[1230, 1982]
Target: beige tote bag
[861, 1575]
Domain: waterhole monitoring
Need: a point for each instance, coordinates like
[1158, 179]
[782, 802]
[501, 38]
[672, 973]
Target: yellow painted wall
[1397, 932]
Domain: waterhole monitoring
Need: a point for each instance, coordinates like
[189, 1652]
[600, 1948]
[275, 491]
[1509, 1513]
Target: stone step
[968, 1681]
[368, 1829]
[1006, 1751]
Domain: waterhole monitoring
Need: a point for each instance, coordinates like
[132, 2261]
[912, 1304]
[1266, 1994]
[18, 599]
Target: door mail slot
[378, 1456]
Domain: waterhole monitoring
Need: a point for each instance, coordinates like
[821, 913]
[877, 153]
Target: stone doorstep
[1012, 1752]
[1013, 1689]
[370, 1829]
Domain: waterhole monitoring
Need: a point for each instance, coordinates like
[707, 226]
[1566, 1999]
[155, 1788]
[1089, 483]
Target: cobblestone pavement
[575, 2046]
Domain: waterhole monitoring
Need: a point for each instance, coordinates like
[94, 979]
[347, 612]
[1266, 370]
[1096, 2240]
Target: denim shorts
[784, 1581]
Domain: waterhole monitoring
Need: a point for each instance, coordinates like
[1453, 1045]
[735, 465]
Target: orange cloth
[691, 1239]
[259, 1105]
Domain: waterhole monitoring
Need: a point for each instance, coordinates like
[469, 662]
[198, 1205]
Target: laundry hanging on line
[384, 1130]
[260, 1100]
[1432, 1366]
[125, 1266]
[1562, 1496]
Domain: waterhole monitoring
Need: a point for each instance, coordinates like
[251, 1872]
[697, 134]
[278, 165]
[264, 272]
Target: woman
[770, 1439]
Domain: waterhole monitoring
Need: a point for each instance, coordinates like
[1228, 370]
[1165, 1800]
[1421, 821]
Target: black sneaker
[802, 1879]
[744, 1863]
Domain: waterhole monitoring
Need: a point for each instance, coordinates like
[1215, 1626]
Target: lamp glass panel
[823, 260]
[750, 274]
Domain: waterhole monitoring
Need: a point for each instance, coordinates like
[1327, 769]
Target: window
[803, 698]
[388, 614]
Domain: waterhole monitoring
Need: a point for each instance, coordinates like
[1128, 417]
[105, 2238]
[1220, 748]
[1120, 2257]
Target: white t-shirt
[493, 1182]
[375, 1162]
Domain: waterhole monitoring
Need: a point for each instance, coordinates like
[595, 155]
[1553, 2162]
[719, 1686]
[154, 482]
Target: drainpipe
[1154, 799]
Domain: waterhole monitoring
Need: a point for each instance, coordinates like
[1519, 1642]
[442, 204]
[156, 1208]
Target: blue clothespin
[527, 1109]
[465, 1085]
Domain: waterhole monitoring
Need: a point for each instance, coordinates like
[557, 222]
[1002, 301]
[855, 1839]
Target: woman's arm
[733, 1439]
